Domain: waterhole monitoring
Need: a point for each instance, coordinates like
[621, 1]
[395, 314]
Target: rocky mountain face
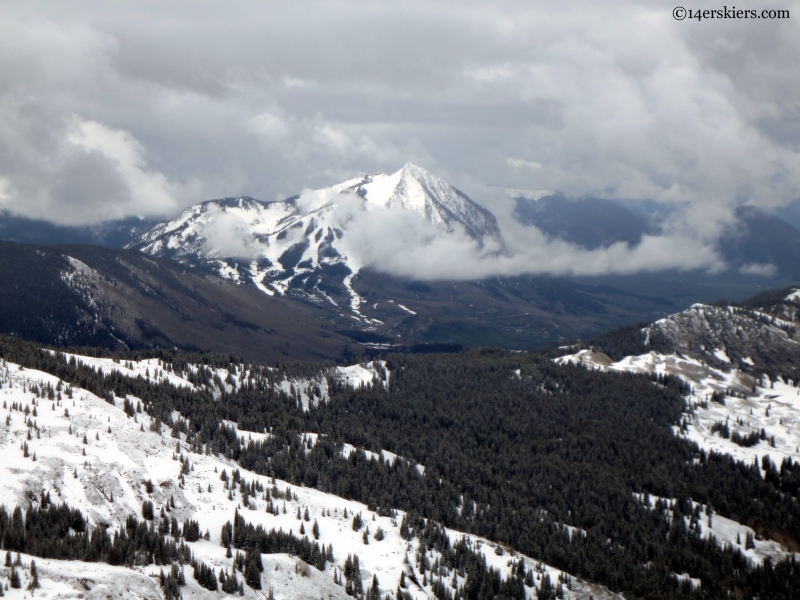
[757, 336]
[732, 336]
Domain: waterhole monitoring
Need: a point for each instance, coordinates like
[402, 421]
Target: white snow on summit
[278, 246]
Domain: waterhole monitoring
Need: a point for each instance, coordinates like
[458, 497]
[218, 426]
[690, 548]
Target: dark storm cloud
[112, 109]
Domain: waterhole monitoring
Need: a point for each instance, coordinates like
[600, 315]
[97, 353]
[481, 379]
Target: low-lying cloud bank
[401, 243]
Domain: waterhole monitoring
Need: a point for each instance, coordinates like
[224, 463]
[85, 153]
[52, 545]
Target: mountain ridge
[300, 243]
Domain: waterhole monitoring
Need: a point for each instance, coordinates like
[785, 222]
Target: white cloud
[401, 243]
[272, 126]
[617, 100]
[226, 235]
[518, 162]
[148, 191]
[764, 270]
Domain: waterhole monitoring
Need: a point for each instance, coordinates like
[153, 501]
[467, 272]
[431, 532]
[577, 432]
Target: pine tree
[546, 589]
[374, 591]
[13, 579]
[252, 570]
[34, 584]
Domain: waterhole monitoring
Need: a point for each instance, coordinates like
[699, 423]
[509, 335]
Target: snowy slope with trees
[309, 390]
[726, 411]
[741, 401]
[106, 458]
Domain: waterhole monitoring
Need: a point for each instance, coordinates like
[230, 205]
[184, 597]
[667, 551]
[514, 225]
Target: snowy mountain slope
[744, 405]
[78, 448]
[300, 245]
[740, 364]
[725, 531]
[759, 335]
[308, 390]
[729, 412]
[740, 337]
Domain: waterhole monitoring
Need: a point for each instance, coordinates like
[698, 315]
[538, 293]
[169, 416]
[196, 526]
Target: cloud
[109, 110]
[226, 235]
[518, 162]
[401, 243]
[145, 190]
[758, 269]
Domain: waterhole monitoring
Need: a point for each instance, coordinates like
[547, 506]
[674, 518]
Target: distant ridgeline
[543, 458]
[757, 336]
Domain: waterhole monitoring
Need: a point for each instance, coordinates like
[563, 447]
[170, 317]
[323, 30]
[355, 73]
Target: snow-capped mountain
[414, 188]
[301, 245]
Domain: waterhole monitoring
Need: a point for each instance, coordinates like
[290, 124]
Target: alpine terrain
[300, 246]
[656, 461]
[307, 249]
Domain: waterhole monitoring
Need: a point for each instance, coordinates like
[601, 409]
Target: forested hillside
[544, 458]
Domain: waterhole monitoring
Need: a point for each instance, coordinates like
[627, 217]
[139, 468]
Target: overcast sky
[109, 109]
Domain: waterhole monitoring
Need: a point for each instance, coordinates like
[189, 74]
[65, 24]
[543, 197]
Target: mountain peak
[416, 189]
[296, 244]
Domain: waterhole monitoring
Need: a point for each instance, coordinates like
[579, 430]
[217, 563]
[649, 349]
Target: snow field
[106, 479]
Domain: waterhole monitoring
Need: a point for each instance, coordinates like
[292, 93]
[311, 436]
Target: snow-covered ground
[151, 370]
[771, 406]
[727, 531]
[86, 452]
[308, 390]
[347, 449]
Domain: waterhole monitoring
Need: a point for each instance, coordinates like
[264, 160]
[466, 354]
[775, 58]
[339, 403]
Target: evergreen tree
[13, 579]
[34, 584]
